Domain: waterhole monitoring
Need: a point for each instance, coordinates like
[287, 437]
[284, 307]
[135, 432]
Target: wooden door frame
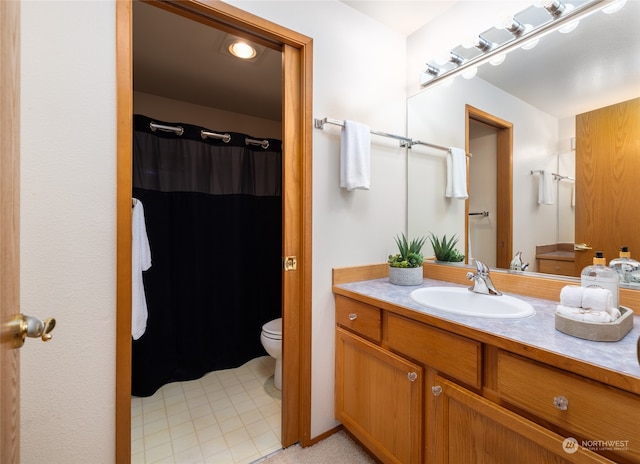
[297, 169]
[10, 231]
[504, 185]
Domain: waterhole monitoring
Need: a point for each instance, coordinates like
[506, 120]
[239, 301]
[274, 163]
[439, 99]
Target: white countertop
[537, 331]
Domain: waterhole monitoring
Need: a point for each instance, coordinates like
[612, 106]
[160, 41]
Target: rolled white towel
[597, 299]
[614, 313]
[581, 314]
[571, 295]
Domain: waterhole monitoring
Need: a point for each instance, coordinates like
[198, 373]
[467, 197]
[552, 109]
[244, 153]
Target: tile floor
[230, 416]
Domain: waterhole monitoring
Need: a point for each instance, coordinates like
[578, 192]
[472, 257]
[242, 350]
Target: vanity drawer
[446, 352]
[558, 267]
[358, 317]
[604, 416]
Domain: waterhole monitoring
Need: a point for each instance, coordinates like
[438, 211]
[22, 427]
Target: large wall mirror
[539, 92]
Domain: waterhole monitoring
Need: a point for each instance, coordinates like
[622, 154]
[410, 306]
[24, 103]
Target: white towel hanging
[545, 188]
[140, 261]
[355, 156]
[456, 174]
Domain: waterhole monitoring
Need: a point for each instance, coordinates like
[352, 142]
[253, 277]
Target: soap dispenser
[599, 275]
[628, 269]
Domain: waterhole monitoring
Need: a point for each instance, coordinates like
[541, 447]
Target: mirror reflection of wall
[483, 142]
[439, 116]
[542, 137]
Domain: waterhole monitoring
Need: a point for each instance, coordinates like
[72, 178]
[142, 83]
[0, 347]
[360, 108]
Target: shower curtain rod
[404, 141]
[226, 138]
[177, 129]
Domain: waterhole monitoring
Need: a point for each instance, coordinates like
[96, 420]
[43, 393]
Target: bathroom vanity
[415, 385]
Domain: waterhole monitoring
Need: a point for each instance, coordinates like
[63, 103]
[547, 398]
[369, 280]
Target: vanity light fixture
[512, 25]
[455, 58]
[432, 70]
[478, 42]
[525, 27]
[555, 7]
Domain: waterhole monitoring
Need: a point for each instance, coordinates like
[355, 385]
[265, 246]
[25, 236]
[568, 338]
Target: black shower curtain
[213, 214]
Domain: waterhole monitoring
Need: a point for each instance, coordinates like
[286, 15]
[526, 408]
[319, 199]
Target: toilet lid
[273, 328]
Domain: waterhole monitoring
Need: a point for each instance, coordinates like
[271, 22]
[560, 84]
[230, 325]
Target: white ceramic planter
[405, 275]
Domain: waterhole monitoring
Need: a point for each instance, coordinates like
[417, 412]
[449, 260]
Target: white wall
[68, 230]
[358, 74]
[68, 192]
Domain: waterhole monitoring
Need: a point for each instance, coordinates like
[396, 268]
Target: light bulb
[529, 44]
[614, 7]
[498, 59]
[470, 73]
[569, 27]
[242, 50]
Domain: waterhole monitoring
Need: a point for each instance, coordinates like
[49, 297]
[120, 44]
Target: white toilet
[271, 338]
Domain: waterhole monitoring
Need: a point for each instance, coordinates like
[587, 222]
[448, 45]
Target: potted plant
[405, 267]
[445, 250]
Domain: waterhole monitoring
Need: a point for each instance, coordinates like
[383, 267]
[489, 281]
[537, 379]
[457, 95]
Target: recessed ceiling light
[242, 50]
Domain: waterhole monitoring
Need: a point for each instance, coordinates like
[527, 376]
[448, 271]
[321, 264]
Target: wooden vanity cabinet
[414, 393]
[599, 415]
[379, 398]
[471, 429]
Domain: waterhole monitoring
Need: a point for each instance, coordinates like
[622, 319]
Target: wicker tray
[597, 331]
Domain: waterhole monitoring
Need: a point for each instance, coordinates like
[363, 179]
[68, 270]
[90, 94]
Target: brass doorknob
[27, 326]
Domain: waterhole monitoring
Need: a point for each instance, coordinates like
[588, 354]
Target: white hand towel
[571, 295]
[597, 299]
[580, 314]
[545, 189]
[456, 174]
[614, 313]
[355, 156]
[140, 261]
[573, 195]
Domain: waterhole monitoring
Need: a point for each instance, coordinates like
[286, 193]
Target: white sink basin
[463, 301]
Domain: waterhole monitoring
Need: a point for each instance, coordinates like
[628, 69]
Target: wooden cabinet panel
[452, 354]
[555, 266]
[471, 429]
[379, 399]
[603, 416]
[607, 166]
[359, 317]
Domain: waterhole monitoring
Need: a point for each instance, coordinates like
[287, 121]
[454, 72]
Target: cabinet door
[379, 399]
[467, 428]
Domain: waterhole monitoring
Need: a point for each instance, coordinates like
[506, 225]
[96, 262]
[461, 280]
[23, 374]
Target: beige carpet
[336, 449]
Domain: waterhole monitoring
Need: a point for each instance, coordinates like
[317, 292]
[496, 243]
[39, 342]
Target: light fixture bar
[429, 78]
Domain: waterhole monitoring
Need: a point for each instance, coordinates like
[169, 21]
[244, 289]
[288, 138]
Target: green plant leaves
[409, 252]
[445, 249]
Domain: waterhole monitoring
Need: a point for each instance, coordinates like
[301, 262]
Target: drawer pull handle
[353, 316]
[412, 376]
[436, 390]
[561, 402]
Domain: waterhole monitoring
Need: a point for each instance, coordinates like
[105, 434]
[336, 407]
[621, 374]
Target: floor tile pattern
[226, 417]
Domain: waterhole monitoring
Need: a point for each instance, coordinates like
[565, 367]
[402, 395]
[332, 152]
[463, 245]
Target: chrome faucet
[481, 281]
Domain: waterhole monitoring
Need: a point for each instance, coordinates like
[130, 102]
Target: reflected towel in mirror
[456, 174]
[545, 188]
